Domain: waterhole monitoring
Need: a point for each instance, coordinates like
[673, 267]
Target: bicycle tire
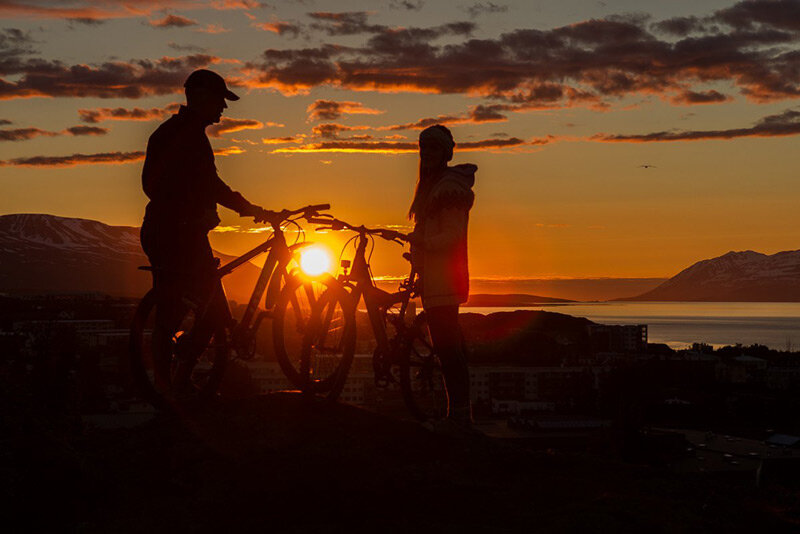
[203, 380]
[421, 379]
[318, 362]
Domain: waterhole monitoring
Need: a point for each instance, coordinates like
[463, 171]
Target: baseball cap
[206, 79]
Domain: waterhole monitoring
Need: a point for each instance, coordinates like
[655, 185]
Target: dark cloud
[14, 44]
[117, 79]
[485, 8]
[703, 97]
[5, 122]
[783, 14]
[357, 22]
[86, 130]
[74, 159]
[681, 26]
[93, 116]
[23, 134]
[476, 115]
[227, 125]
[344, 23]
[782, 124]
[331, 130]
[593, 62]
[409, 5]
[86, 21]
[93, 11]
[185, 48]
[280, 27]
[332, 109]
[173, 21]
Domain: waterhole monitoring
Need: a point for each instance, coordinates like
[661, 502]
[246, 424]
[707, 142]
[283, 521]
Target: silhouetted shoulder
[171, 128]
[454, 189]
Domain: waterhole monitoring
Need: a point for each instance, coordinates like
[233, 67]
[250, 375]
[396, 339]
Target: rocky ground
[280, 463]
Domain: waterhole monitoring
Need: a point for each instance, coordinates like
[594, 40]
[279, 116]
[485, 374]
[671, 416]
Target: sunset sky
[612, 138]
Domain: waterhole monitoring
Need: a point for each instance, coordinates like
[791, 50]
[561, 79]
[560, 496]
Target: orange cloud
[229, 151]
[227, 125]
[394, 147]
[173, 21]
[281, 140]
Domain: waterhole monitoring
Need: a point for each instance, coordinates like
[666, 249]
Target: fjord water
[679, 324]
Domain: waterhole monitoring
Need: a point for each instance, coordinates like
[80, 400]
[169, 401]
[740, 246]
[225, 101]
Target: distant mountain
[49, 254]
[734, 277]
[482, 300]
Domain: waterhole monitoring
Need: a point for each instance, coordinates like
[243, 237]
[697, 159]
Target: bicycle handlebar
[307, 212]
[315, 208]
[334, 224]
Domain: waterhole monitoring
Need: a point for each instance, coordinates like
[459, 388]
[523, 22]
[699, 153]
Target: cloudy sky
[613, 138]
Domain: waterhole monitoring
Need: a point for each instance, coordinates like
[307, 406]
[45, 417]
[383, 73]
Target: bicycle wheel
[421, 377]
[198, 374]
[314, 334]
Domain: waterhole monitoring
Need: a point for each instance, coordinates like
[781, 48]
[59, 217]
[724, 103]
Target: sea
[679, 324]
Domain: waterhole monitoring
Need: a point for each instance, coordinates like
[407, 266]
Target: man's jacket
[181, 180]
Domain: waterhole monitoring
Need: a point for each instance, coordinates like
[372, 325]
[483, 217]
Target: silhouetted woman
[440, 210]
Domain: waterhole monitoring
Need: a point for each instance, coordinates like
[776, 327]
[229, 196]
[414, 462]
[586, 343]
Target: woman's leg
[448, 342]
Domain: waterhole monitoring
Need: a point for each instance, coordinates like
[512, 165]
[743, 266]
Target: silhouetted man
[181, 181]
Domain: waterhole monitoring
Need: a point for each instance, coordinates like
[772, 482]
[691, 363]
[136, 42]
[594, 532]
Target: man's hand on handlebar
[262, 215]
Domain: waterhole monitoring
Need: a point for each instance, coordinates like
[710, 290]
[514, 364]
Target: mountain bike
[196, 365]
[404, 355]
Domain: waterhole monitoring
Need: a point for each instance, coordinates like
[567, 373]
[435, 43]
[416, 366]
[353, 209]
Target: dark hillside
[280, 464]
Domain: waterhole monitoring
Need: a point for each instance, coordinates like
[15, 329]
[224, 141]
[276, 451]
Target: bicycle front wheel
[314, 334]
[161, 370]
[421, 378]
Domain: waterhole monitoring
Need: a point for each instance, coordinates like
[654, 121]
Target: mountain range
[49, 254]
[746, 276]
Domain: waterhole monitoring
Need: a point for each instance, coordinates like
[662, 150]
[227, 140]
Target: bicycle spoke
[309, 290]
[299, 318]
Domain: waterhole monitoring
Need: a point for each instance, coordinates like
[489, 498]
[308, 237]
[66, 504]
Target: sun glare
[315, 260]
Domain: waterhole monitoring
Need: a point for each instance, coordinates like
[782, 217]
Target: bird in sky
[647, 166]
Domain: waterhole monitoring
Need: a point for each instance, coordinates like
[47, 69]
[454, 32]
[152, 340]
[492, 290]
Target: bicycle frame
[363, 286]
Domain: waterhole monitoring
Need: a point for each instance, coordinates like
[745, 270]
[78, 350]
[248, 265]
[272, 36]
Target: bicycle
[197, 365]
[404, 354]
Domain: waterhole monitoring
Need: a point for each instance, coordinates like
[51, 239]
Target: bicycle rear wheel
[198, 374]
[314, 334]
[421, 377]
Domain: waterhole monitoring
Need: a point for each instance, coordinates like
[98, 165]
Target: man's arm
[234, 200]
[231, 199]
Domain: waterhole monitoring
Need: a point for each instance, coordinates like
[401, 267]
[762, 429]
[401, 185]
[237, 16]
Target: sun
[315, 260]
